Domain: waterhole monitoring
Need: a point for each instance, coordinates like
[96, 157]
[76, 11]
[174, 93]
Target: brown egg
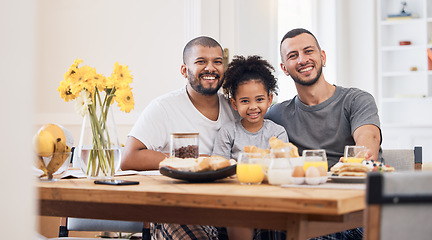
[312, 172]
[298, 171]
[322, 171]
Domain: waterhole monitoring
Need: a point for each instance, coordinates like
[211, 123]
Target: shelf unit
[404, 78]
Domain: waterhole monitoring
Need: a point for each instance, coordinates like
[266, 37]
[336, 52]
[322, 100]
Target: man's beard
[308, 83]
[199, 88]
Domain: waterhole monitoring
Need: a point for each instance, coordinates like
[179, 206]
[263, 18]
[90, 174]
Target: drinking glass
[249, 168]
[354, 154]
[315, 157]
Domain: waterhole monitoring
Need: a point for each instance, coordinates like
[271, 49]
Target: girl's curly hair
[243, 69]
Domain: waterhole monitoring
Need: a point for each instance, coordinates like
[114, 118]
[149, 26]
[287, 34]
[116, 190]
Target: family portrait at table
[221, 160]
[321, 116]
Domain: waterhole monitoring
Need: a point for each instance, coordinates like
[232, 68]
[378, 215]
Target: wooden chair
[398, 206]
[403, 159]
[99, 225]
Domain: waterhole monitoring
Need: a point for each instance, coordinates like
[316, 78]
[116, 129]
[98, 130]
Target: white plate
[348, 179]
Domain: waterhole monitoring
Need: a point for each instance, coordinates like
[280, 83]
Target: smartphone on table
[116, 182]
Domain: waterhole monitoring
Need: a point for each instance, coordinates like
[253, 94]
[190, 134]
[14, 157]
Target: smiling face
[204, 69]
[302, 59]
[252, 102]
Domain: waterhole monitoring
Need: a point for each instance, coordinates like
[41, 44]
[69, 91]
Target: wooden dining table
[303, 212]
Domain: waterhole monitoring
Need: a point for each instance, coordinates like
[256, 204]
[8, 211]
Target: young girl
[250, 85]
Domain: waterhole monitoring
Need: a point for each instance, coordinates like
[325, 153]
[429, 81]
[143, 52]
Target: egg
[323, 174]
[312, 172]
[298, 171]
[322, 171]
[313, 176]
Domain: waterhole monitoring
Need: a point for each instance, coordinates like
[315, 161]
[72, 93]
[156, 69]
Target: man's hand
[370, 137]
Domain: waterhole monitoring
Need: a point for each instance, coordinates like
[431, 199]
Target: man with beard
[323, 116]
[198, 107]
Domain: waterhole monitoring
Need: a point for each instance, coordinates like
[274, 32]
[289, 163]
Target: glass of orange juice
[354, 154]
[314, 157]
[249, 168]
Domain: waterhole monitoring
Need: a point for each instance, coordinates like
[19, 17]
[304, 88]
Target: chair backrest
[100, 225]
[83, 224]
[403, 159]
[399, 206]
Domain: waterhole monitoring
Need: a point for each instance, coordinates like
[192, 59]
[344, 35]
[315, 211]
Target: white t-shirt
[175, 113]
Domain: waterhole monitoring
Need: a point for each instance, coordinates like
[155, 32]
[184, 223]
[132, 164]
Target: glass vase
[98, 151]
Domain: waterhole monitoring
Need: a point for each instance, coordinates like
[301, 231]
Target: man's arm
[370, 137]
[136, 156]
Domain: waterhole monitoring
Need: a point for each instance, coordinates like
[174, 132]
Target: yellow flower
[121, 76]
[100, 82]
[110, 82]
[72, 68]
[125, 100]
[83, 79]
[65, 91]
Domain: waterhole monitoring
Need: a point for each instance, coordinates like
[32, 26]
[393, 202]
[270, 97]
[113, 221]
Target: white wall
[353, 44]
[146, 36]
[17, 70]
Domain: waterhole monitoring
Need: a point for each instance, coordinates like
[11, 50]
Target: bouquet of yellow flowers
[94, 94]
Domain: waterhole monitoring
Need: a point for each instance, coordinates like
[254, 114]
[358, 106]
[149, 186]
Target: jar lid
[185, 135]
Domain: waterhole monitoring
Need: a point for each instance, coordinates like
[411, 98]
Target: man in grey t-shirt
[323, 115]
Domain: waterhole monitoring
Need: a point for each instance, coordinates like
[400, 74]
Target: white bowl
[323, 179]
[297, 180]
[313, 180]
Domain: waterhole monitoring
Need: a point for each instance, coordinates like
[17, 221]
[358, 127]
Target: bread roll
[276, 143]
[200, 164]
[186, 164]
[218, 162]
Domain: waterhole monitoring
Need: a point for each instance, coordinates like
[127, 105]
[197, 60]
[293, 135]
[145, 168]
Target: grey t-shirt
[233, 137]
[329, 125]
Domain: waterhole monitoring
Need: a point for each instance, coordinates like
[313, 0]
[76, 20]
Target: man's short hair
[295, 32]
[202, 41]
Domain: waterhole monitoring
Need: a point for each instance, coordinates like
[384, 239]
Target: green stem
[101, 140]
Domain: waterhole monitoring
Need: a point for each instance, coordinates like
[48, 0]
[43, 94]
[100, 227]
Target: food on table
[276, 143]
[253, 149]
[298, 172]
[298, 175]
[51, 149]
[322, 171]
[200, 164]
[188, 151]
[353, 169]
[375, 166]
[359, 169]
[313, 176]
[218, 162]
[184, 145]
